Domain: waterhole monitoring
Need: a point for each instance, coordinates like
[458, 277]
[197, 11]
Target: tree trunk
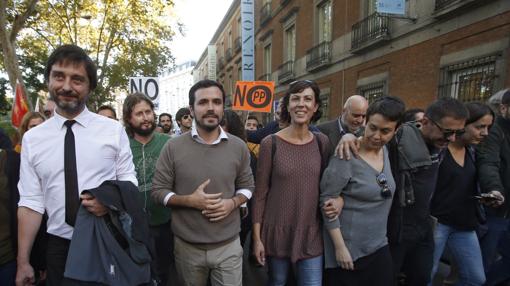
[12, 69]
[8, 42]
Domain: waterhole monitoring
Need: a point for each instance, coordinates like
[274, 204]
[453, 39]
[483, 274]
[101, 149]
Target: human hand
[25, 275]
[93, 205]
[349, 143]
[218, 211]
[493, 199]
[333, 207]
[201, 200]
[343, 257]
[259, 252]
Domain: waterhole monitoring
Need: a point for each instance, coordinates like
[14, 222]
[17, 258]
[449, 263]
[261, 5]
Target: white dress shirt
[223, 136]
[102, 153]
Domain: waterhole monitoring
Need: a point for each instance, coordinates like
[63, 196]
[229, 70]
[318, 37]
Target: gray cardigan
[365, 212]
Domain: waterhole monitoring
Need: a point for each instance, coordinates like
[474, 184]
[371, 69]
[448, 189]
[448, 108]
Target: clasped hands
[212, 206]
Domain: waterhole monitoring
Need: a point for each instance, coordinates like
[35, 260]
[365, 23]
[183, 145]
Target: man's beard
[166, 128]
[208, 128]
[144, 132]
[72, 107]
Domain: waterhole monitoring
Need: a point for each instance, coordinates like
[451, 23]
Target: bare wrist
[22, 260]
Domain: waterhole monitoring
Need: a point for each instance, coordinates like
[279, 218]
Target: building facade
[174, 86]
[456, 48]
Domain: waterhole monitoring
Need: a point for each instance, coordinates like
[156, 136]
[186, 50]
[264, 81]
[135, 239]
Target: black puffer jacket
[493, 162]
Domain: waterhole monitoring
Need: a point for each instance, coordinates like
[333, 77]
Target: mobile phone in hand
[486, 197]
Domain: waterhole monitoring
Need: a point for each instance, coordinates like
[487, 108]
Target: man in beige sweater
[204, 176]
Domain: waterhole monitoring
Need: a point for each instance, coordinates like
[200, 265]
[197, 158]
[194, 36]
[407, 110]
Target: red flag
[20, 106]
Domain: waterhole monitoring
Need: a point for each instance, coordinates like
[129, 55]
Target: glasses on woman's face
[383, 183]
[447, 133]
[187, 116]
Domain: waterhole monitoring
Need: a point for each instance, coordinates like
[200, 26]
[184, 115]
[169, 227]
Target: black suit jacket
[332, 130]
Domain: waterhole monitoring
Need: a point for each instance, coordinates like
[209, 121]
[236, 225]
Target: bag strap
[323, 160]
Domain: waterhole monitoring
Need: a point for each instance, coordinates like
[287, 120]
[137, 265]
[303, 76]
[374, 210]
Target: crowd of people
[379, 195]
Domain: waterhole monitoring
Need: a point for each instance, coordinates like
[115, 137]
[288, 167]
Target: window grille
[372, 91]
[471, 80]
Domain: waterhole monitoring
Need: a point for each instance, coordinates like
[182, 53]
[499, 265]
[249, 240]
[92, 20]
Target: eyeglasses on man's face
[382, 181]
[187, 116]
[447, 133]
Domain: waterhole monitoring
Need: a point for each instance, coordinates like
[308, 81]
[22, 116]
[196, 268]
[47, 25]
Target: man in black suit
[352, 121]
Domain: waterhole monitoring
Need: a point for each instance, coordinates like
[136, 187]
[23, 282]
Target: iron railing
[318, 56]
[286, 72]
[370, 29]
[265, 13]
[372, 91]
[472, 80]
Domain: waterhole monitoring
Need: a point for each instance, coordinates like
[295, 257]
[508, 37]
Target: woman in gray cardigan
[356, 247]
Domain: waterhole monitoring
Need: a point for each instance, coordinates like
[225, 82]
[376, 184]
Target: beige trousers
[224, 264]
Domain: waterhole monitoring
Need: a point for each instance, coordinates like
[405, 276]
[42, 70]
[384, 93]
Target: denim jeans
[465, 249]
[489, 241]
[500, 269]
[308, 271]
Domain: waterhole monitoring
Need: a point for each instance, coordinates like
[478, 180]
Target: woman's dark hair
[390, 107]
[478, 110]
[297, 87]
[232, 122]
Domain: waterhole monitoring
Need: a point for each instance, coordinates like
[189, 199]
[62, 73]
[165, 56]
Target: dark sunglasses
[47, 113]
[187, 116]
[447, 133]
[383, 183]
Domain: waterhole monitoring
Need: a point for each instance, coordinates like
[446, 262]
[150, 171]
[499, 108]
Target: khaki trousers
[224, 264]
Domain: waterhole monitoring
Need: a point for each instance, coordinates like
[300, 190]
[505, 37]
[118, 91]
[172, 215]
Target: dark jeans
[8, 273]
[490, 239]
[164, 264]
[56, 256]
[414, 255]
[373, 269]
[499, 271]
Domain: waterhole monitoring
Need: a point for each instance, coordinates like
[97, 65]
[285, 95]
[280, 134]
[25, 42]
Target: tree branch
[68, 28]
[48, 41]
[101, 31]
[20, 20]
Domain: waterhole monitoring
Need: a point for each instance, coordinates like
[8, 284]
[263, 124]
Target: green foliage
[124, 37]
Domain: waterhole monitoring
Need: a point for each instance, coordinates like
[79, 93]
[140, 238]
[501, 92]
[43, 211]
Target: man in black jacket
[493, 159]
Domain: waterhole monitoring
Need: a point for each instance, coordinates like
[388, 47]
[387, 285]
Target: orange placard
[253, 96]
